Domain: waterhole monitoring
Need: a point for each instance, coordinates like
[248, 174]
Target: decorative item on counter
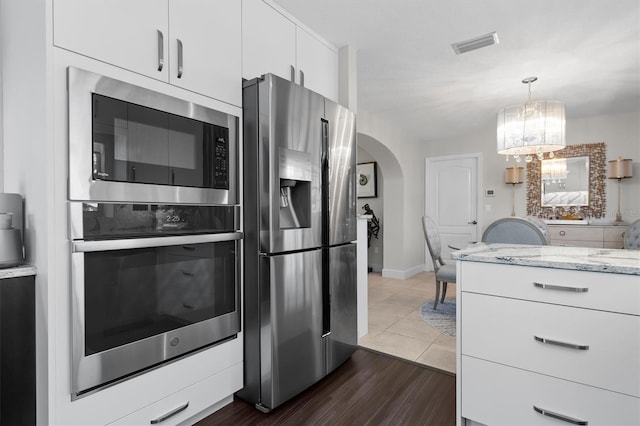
[373, 224]
[11, 226]
[619, 169]
[10, 242]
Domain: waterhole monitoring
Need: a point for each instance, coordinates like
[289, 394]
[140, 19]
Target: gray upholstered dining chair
[632, 236]
[514, 230]
[445, 272]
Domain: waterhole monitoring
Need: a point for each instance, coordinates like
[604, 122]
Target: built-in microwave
[132, 144]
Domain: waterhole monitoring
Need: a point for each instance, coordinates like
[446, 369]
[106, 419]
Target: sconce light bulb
[551, 154]
[528, 158]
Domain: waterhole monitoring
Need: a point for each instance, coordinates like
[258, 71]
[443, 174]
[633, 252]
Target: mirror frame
[597, 153]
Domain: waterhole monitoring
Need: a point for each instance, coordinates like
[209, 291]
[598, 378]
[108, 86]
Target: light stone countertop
[17, 271]
[616, 261]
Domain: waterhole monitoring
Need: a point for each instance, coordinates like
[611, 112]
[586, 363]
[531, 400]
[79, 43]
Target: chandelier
[554, 171]
[534, 127]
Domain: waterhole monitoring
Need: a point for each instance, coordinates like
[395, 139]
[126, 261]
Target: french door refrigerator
[300, 231]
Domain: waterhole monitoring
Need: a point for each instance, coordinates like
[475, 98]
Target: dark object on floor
[370, 388]
[443, 319]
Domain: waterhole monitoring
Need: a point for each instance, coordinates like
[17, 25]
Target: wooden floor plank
[370, 388]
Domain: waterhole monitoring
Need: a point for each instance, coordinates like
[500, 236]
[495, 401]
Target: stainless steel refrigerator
[299, 171]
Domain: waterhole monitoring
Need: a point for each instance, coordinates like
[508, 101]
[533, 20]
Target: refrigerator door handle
[324, 170]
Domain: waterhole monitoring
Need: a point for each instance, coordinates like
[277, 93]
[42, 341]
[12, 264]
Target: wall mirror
[583, 189]
[564, 182]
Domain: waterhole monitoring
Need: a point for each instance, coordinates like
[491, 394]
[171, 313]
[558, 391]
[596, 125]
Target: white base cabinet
[543, 346]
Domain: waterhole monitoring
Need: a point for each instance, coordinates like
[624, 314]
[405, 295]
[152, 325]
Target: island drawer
[593, 290]
[586, 346]
[495, 394]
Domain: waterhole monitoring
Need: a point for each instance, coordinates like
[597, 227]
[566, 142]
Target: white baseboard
[403, 275]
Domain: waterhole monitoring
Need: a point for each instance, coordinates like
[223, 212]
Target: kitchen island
[548, 335]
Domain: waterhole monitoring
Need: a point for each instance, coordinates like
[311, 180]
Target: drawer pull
[171, 413]
[559, 343]
[562, 233]
[561, 287]
[560, 416]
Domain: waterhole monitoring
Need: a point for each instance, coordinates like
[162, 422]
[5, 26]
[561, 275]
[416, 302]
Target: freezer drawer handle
[560, 416]
[561, 287]
[559, 343]
[171, 413]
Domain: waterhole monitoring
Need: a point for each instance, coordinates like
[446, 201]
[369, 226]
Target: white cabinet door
[120, 32]
[210, 34]
[319, 64]
[268, 41]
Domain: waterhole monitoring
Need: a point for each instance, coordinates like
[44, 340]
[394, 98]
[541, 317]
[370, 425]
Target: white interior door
[452, 200]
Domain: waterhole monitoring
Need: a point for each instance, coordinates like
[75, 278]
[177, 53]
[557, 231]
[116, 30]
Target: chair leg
[444, 291]
[435, 300]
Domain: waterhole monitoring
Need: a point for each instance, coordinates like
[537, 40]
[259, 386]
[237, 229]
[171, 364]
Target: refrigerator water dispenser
[295, 189]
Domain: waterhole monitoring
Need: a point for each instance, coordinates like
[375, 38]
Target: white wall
[403, 193]
[620, 132]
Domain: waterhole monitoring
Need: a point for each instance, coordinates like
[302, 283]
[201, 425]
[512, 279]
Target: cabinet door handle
[562, 288]
[301, 78]
[558, 416]
[293, 74]
[180, 63]
[563, 344]
[473, 222]
[171, 413]
[160, 50]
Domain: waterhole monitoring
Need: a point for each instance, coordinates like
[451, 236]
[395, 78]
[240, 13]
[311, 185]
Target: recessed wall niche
[597, 153]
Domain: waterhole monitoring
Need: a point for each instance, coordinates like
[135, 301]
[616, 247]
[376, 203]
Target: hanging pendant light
[534, 127]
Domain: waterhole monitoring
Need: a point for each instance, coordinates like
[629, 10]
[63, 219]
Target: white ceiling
[585, 53]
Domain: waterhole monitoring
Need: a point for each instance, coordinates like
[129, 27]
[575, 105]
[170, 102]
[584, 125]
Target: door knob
[475, 222]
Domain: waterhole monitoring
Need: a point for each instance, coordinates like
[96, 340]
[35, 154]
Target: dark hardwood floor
[370, 388]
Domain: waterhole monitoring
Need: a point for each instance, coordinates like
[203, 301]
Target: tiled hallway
[396, 326]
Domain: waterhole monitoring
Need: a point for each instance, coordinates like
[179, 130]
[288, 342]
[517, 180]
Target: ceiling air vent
[475, 43]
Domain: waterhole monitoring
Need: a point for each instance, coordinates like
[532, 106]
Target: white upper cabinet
[210, 35]
[143, 36]
[268, 41]
[273, 43]
[128, 34]
[318, 63]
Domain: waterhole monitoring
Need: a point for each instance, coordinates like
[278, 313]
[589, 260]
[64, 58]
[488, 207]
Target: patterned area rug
[443, 318]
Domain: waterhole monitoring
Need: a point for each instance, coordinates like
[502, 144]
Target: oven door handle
[134, 243]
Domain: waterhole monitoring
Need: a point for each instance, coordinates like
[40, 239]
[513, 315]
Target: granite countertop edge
[616, 261]
[17, 271]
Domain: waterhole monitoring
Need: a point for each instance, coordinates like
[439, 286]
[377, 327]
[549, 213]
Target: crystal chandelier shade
[534, 127]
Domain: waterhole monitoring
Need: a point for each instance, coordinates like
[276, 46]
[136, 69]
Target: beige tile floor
[396, 326]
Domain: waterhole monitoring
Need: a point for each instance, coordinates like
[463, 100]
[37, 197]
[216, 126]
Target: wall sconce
[619, 169]
[513, 175]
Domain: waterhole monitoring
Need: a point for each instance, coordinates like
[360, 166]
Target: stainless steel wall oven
[149, 283]
[154, 225]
